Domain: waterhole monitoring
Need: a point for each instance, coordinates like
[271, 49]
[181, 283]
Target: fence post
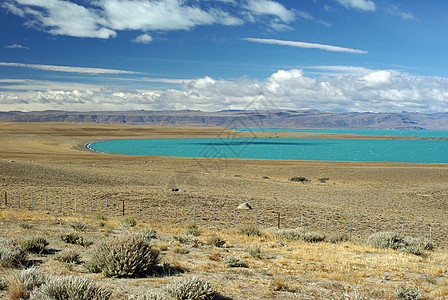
[32, 201]
[18, 199]
[107, 212]
[234, 217]
[301, 221]
[90, 205]
[157, 214]
[278, 220]
[402, 228]
[6, 199]
[60, 204]
[214, 216]
[140, 209]
[46, 199]
[350, 228]
[123, 207]
[325, 226]
[256, 219]
[75, 204]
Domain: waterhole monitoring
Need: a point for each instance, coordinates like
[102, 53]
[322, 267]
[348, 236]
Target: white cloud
[395, 10]
[268, 7]
[360, 90]
[16, 46]
[306, 45]
[143, 39]
[67, 69]
[104, 18]
[365, 5]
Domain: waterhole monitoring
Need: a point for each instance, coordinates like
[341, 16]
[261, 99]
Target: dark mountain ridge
[242, 119]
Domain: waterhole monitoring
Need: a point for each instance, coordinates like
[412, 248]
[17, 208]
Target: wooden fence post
[75, 204]
[107, 208]
[278, 220]
[234, 217]
[60, 204]
[6, 199]
[430, 233]
[18, 200]
[46, 199]
[32, 201]
[90, 205]
[123, 207]
[325, 226]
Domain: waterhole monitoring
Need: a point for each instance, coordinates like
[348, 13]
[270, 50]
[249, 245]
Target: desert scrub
[298, 179]
[193, 230]
[234, 261]
[152, 295]
[147, 234]
[123, 256]
[216, 241]
[392, 240]
[254, 251]
[70, 287]
[34, 245]
[11, 255]
[128, 222]
[78, 225]
[20, 284]
[192, 288]
[299, 234]
[73, 238]
[68, 256]
[407, 294]
[249, 231]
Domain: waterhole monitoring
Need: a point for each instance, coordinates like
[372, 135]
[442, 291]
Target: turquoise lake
[371, 150]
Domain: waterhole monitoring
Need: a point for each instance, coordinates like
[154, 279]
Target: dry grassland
[42, 162]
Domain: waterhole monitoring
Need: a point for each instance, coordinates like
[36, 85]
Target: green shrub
[234, 261]
[78, 225]
[68, 256]
[128, 222]
[123, 256]
[70, 287]
[11, 255]
[191, 288]
[20, 284]
[183, 239]
[299, 234]
[193, 230]
[254, 251]
[152, 295]
[407, 294]
[249, 231]
[34, 245]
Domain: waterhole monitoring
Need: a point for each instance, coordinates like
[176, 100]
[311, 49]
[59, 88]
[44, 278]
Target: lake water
[373, 150]
[407, 133]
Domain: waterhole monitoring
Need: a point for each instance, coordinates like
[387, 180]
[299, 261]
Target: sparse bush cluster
[68, 256]
[298, 179]
[299, 234]
[392, 240]
[128, 222]
[11, 255]
[249, 231]
[234, 261]
[192, 288]
[78, 225]
[21, 283]
[73, 238]
[34, 245]
[216, 241]
[407, 293]
[147, 234]
[123, 256]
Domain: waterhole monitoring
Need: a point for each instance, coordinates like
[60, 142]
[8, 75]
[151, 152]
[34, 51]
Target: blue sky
[330, 55]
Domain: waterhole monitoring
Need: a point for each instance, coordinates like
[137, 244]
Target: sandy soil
[44, 163]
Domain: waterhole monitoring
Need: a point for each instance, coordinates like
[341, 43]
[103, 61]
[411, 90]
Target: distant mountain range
[242, 119]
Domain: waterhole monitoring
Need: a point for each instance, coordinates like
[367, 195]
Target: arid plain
[45, 168]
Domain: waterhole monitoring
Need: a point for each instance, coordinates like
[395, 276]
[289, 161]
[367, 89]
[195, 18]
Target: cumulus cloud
[103, 18]
[306, 45]
[67, 69]
[363, 90]
[365, 5]
[143, 39]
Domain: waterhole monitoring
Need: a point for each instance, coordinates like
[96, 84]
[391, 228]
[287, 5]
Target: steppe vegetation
[143, 262]
[351, 231]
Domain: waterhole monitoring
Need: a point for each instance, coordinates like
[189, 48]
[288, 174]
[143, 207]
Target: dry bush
[128, 222]
[299, 234]
[32, 244]
[147, 234]
[392, 240]
[280, 285]
[193, 230]
[216, 241]
[20, 284]
[73, 238]
[11, 255]
[70, 287]
[78, 225]
[254, 251]
[68, 256]
[152, 295]
[234, 262]
[179, 250]
[407, 294]
[123, 256]
[249, 231]
[192, 288]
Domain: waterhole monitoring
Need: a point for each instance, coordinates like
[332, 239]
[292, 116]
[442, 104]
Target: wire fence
[213, 216]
